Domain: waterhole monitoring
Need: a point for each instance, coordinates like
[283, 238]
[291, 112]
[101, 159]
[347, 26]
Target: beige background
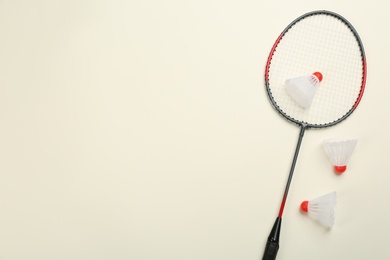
[141, 130]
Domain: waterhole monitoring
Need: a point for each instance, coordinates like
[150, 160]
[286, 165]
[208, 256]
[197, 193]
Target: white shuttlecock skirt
[339, 151]
[302, 89]
[322, 209]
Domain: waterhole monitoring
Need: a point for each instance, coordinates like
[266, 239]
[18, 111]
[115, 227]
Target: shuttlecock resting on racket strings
[321, 209]
[303, 89]
[339, 152]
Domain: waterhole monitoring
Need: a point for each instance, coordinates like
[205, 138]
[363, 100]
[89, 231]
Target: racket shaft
[301, 133]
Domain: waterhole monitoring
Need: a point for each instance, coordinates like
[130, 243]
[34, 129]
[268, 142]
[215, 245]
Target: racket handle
[272, 246]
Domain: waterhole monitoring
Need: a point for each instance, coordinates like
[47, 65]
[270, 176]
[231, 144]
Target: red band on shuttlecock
[305, 206]
[318, 75]
[339, 169]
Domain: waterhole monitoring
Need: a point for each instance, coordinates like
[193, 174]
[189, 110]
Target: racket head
[318, 41]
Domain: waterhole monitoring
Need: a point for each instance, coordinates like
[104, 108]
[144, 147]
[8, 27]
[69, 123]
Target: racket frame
[308, 125]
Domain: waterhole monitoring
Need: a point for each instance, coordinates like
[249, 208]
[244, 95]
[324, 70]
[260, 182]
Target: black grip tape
[272, 246]
[271, 250]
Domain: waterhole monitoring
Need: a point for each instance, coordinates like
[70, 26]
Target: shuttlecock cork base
[303, 89]
[321, 209]
[339, 152]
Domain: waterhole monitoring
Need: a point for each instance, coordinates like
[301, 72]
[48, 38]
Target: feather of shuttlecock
[302, 89]
[339, 152]
[321, 209]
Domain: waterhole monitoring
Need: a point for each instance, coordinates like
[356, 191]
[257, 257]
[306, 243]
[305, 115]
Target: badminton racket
[318, 41]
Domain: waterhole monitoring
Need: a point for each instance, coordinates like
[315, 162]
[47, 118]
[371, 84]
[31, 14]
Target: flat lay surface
[142, 130]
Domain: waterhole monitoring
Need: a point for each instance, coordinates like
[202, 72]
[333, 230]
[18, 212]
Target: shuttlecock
[321, 209]
[339, 151]
[302, 89]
